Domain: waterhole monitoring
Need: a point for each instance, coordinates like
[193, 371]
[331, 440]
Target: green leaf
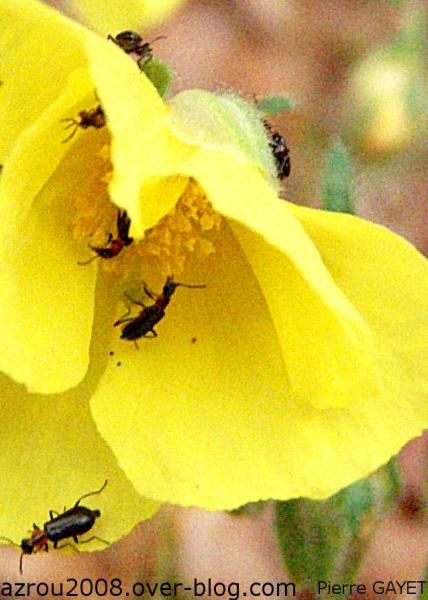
[336, 181]
[303, 540]
[272, 105]
[327, 540]
[159, 75]
[387, 484]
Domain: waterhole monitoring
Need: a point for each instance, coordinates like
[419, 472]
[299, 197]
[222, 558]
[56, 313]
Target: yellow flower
[299, 368]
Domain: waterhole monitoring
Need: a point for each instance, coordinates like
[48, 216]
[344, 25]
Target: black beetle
[280, 152]
[113, 245]
[94, 117]
[69, 524]
[131, 42]
[143, 324]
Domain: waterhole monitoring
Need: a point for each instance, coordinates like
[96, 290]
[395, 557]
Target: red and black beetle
[143, 324]
[113, 245]
[94, 117]
[69, 524]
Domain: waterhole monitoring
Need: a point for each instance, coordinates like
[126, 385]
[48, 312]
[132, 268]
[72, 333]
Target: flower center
[164, 249]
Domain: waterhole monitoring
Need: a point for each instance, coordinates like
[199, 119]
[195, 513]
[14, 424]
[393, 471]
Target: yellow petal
[386, 278]
[113, 17]
[46, 298]
[39, 48]
[43, 62]
[326, 345]
[144, 151]
[199, 404]
[52, 449]
[206, 415]
[137, 119]
[46, 302]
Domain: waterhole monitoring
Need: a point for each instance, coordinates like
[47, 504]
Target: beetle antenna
[160, 37]
[86, 262]
[71, 122]
[92, 493]
[199, 285]
[10, 541]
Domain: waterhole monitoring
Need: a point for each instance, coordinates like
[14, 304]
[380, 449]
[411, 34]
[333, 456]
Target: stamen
[181, 233]
[93, 216]
[165, 248]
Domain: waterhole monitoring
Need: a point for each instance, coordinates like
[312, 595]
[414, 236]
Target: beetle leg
[137, 301]
[143, 61]
[108, 240]
[149, 292]
[52, 513]
[122, 320]
[136, 345]
[86, 262]
[71, 122]
[151, 336]
[95, 537]
[71, 546]
[46, 548]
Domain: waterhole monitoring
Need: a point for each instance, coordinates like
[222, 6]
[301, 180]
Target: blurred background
[353, 69]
